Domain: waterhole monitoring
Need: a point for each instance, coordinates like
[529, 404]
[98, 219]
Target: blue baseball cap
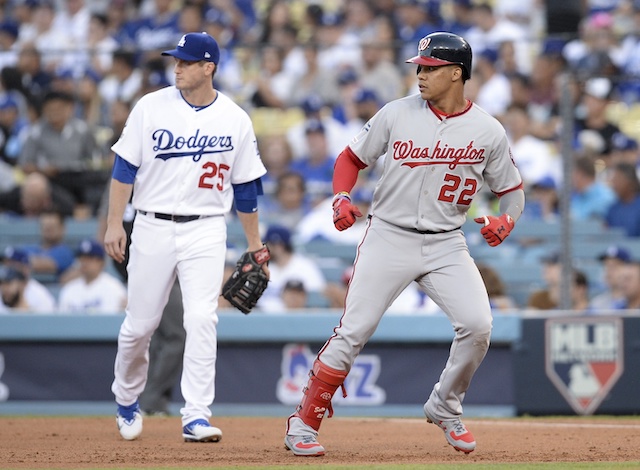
[313, 125]
[278, 234]
[365, 94]
[312, 104]
[7, 102]
[616, 252]
[195, 47]
[16, 254]
[90, 248]
[621, 141]
[8, 274]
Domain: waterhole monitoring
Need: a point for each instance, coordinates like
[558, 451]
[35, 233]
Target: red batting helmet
[443, 48]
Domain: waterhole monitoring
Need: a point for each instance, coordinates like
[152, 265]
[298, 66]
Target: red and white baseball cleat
[304, 446]
[456, 433]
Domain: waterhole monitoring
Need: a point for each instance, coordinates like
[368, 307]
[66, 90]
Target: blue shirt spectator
[591, 198]
[625, 211]
[51, 256]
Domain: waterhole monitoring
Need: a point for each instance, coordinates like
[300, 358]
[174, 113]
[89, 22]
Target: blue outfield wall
[65, 363]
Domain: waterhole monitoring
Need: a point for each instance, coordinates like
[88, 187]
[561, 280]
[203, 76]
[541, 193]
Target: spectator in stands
[628, 55]
[499, 300]
[534, 157]
[338, 47]
[286, 265]
[64, 149]
[273, 85]
[50, 42]
[51, 256]
[294, 295]
[630, 287]
[544, 93]
[95, 291]
[461, 17]
[591, 198]
[542, 201]
[317, 166]
[548, 298]
[314, 80]
[12, 288]
[277, 15]
[359, 19]
[36, 79]
[494, 92]
[314, 109]
[490, 30]
[361, 106]
[413, 22]
[229, 77]
[8, 43]
[625, 210]
[613, 260]
[100, 45]
[624, 149]
[13, 128]
[378, 72]
[89, 107]
[39, 298]
[592, 115]
[289, 203]
[286, 38]
[593, 52]
[34, 197]
[124, 80]
[73, 19]
[276, 155]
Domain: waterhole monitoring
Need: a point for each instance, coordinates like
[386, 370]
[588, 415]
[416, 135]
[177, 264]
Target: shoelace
[459, 428]
[308, 439]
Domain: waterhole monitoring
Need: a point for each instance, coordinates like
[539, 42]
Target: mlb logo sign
[584, 359]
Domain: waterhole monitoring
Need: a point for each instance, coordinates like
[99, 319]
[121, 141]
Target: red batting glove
[495, 229]
[344, 213]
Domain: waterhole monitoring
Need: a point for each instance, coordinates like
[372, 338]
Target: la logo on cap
[183, 39]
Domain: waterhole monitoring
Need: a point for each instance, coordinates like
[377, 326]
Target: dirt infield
[74, 442]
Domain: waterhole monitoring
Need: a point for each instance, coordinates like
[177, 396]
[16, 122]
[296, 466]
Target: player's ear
[456, 74]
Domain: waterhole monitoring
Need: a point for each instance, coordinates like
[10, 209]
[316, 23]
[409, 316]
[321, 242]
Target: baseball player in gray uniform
[439, 149]
[187, 152]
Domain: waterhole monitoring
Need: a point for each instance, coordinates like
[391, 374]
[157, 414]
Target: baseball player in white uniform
[439, 149]
[188, 153]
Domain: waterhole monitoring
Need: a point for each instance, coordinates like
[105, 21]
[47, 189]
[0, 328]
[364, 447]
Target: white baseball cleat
[201, 431]
[129, 421]
[456, 433]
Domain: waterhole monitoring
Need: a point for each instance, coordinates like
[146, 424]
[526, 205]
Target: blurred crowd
[311, 73]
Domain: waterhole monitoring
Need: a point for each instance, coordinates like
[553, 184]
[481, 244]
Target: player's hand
[115, 242]
[495, 229]
[344, 213]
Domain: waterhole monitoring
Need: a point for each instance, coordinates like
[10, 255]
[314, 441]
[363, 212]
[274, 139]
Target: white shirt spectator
[105, 294]
[300, 268]
[494, 96]
[39, 297]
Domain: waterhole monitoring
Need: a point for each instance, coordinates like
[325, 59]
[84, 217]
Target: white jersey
[39, 298]
[105, 294]
[188, 158]
[426, 154]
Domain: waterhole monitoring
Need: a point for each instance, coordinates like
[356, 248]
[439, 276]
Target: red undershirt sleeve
[345, 171]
